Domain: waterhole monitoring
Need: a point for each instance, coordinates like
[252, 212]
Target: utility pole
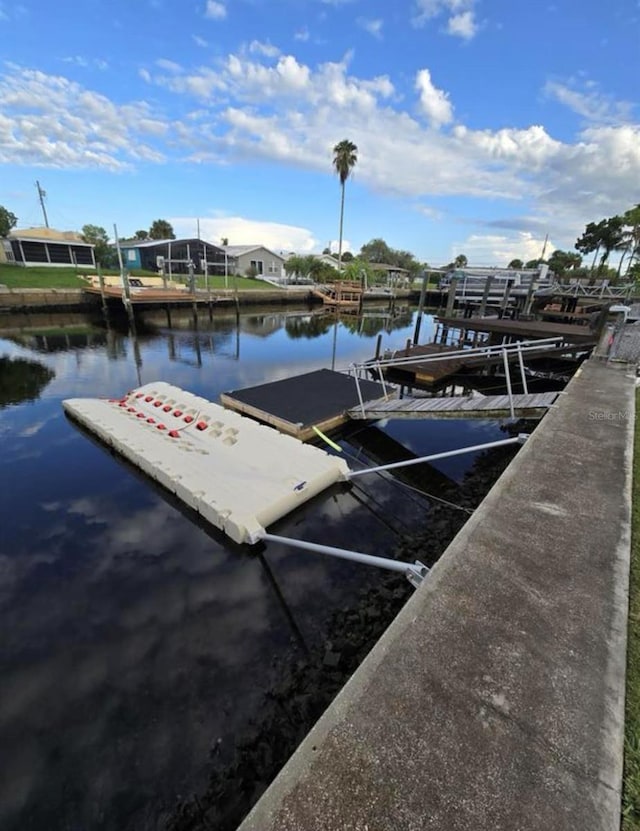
[41, 195]
[544, 247]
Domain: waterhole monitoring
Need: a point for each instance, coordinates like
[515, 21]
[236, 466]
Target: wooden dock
[533, 405]
[428, 373]
[157, 297]
[523, 329]
[320, 399]
[345, 293]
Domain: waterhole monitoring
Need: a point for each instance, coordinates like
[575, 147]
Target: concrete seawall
[495, 700]
[79, 300]
[68, 300]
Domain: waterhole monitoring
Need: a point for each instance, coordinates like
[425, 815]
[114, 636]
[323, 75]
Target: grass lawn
[42, 277]
[631, 785]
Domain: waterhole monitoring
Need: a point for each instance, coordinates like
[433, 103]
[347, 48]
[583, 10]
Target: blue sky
[481, 125]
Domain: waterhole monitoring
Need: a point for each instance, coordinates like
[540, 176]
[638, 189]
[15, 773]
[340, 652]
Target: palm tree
[345, 156]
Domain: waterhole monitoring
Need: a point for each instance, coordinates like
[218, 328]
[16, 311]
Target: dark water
[133, 642]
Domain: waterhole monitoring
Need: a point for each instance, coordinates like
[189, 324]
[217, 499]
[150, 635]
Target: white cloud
[279, 109]
[242, 231]
[12, 11]
[429, 9]
[215, 10]
[302, 34]
[170, 66]
[266, 49]
[499, 250]
[374, 27]
[200, 41]
[334, 245]
[434, 103]
[461, 20]
[462, 25]
[591, 103]
[48, 120]
[80, 60]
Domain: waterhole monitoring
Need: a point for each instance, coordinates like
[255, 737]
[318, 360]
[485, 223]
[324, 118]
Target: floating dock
[239, 475]
[320, 399]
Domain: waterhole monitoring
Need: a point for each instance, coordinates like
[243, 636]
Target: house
[174, 255]
[255, 260]
[329, 259]
[45, 246]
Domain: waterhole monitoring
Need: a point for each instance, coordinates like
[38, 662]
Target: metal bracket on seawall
[414, 572]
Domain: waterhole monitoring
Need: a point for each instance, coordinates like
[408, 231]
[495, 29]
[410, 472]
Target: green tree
[533, 263]
[347, 257]
[141, 235]
[8, 221]
[591, 239]
[345, 157]
[611, 239]
[98, 237]
[359, 270]
[460, 261]
[562, 261]
[631, 237]
[301, 266]
[224, 241]
[161, 229]
[377, 251]
[516, 264]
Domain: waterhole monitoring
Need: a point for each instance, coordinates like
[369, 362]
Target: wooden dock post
[423, 294]
[102, 295]
[485, 296]
[505, 297]
[451, 297]
[379, 346]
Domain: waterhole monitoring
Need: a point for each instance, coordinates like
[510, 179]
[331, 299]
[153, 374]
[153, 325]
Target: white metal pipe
[507, 375]
[359, 395]
[482, 351]
[343, 553]
[435, 456]
[523, 374]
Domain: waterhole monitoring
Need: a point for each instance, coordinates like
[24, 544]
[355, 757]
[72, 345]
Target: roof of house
[149, 243]
[329, 258]
[47, 235]
[239, 250]
[387, 267]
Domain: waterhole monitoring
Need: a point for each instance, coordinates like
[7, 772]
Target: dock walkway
[531, 405]
[495, 700]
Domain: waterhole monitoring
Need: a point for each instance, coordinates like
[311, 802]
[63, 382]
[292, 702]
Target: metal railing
[502, 352]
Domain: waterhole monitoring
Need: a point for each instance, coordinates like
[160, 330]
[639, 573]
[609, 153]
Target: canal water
[135, 643]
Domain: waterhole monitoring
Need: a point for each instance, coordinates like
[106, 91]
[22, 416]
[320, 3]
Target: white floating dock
[239, 475]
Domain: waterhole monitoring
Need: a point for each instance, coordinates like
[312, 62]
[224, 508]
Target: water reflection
[132, 640]
[22, 380]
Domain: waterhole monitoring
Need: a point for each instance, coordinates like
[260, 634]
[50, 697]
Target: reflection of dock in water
[382, 449]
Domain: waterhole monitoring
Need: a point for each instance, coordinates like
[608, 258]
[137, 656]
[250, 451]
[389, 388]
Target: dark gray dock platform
[296, 405]
[495, 700]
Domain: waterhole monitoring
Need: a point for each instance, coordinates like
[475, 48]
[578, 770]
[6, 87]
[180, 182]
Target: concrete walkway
[495, 699]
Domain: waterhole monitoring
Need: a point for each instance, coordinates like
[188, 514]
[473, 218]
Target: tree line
[616, 233]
